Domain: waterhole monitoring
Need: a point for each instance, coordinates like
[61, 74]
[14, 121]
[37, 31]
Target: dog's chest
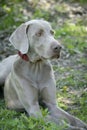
[39, 71]
[38, 74]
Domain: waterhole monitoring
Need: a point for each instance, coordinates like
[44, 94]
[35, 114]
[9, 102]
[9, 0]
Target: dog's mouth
[52, 57]
[56, 56]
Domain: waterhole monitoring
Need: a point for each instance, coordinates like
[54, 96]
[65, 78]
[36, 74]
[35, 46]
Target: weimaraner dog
[29, 75]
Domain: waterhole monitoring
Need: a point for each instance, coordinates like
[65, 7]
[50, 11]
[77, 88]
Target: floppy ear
[19, 39]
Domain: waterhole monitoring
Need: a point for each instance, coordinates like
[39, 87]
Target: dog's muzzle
[56, 49]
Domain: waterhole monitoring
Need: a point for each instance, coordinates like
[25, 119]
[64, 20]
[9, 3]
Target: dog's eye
[40, 33]
[52, 32]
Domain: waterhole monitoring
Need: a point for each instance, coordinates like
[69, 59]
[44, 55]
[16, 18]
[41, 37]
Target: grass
[73, 101]
[11, 14]
[73, 37]
[19, 121]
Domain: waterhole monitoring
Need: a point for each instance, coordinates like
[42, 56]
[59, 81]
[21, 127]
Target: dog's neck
[23, 56]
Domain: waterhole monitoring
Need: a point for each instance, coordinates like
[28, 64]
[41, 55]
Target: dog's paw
[74, 128]
[78, 123]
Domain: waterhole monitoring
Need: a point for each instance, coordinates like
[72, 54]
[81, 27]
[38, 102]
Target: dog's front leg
[28, 96]
[57, 114]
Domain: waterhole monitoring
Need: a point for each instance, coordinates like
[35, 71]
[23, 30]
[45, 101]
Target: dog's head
[36, 39]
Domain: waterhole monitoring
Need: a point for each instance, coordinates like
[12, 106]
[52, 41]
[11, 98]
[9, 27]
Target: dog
[29, 74]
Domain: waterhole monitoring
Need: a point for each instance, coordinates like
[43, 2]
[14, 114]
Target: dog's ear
[19, 39]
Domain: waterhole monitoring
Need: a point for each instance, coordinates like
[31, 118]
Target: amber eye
[52, 32]
[39, 33]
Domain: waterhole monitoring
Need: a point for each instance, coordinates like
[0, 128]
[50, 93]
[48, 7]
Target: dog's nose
[57, 48]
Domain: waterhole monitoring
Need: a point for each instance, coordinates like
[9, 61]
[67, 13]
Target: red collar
[23, 56]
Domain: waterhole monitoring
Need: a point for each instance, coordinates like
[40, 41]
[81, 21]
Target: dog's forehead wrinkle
[38, 24]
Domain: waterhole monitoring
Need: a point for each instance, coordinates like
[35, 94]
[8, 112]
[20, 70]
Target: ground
[69, 19]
